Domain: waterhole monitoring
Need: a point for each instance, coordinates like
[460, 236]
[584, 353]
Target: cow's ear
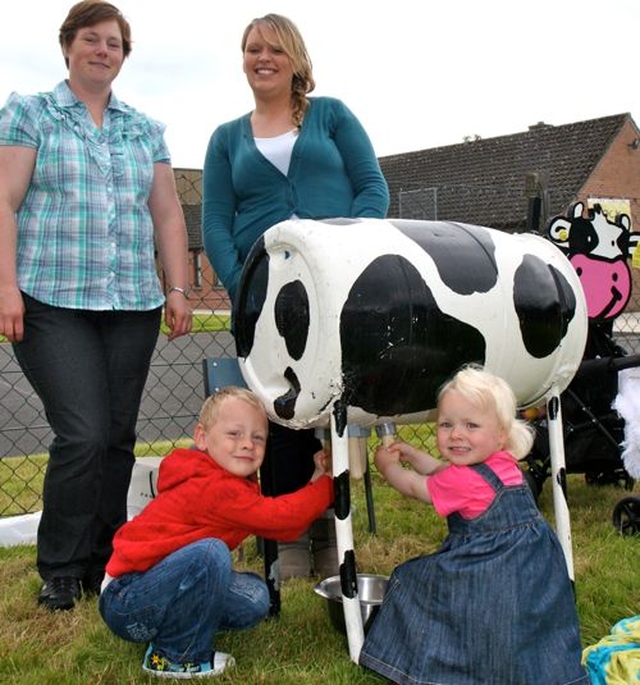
[624, 221]
[559, 230]
[593, 212]
[576, 210]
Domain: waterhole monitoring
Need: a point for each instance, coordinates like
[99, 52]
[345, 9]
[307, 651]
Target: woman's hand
[16, 169]
[11, 314]
[178, 316]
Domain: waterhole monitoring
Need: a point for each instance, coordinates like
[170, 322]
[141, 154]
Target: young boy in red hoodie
[170, 580]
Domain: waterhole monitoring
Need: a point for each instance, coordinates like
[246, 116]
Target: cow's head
[598, 249]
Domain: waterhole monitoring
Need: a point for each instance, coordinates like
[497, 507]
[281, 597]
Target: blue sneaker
[158, 665]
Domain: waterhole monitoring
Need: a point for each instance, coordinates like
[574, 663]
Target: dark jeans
[89, 370]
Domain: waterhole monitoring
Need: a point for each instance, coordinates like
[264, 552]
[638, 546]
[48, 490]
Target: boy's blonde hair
[211, 406]
[487, 391]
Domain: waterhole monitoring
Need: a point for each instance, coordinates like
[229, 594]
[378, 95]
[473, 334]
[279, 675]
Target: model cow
[377, 314]
[359, 321]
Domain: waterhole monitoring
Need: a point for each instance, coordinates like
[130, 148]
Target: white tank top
[278, 149]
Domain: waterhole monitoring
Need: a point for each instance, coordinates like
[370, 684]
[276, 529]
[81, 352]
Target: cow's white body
[327, 258]
[310, 290]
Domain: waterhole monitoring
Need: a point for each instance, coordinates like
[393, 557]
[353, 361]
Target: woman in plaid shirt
[86, 193]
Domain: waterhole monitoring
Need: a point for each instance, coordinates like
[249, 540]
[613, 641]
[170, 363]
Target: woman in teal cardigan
[292, 156]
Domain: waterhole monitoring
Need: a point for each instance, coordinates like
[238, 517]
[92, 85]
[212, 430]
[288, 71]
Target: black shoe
[60, 594]
[91, 582]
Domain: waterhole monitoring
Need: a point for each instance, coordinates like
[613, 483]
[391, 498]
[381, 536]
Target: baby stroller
[593, 430]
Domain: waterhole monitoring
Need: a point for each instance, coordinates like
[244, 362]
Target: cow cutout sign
[599, 251]
[376, 314]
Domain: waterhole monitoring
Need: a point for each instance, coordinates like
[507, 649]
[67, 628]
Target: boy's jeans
[184, 600]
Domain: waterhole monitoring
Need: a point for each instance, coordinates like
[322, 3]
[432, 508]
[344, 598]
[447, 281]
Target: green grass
[205, 323]
[21, 478]
[301, 647]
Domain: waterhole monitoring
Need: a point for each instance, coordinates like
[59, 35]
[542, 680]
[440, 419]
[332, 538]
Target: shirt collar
[65, 97]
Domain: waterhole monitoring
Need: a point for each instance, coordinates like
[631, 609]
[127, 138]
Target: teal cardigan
[333, 172]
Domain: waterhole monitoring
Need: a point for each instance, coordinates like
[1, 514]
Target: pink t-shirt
[461, 489]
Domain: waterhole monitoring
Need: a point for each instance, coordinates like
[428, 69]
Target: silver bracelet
[177, 289]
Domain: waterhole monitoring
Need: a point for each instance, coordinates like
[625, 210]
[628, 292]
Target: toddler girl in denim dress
[495, 604]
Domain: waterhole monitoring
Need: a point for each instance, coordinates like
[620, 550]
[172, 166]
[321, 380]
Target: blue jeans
[184, 600]
[89, 369]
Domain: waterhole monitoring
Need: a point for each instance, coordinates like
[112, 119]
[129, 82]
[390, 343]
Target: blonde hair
[487, 391]
[291, 41]
[211, 407]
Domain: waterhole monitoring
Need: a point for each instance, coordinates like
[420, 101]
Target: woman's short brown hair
[90, 13]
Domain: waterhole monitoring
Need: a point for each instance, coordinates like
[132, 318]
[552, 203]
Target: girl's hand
[405, 451]
[386, 457]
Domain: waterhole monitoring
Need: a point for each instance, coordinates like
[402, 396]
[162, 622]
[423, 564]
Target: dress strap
[489, 475]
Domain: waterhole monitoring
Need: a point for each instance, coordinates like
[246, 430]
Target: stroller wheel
[626, 516]
[615, 476]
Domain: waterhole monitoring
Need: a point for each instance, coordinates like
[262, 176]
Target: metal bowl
[371, 589]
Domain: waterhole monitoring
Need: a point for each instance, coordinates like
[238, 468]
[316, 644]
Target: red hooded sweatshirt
[199, 499]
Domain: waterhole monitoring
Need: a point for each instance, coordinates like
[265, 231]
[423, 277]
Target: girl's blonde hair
[211, 407]
[487, 391]
[290, 40]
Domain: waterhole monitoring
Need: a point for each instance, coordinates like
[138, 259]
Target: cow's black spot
[342, 496]
[252, 292]
[464, 255]
[397, 346]
[292, 317]
[583, 237]
[285, 405]
[340, 416]
[553, 407]
[545, 304]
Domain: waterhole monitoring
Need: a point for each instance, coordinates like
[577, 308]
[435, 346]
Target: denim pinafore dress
[493, 606]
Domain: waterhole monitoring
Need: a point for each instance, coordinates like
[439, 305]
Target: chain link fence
[175, 389]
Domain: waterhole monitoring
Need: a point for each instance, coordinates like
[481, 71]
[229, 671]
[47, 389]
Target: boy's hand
[322, 461]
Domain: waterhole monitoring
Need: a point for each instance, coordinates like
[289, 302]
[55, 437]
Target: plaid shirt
[85, 234]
